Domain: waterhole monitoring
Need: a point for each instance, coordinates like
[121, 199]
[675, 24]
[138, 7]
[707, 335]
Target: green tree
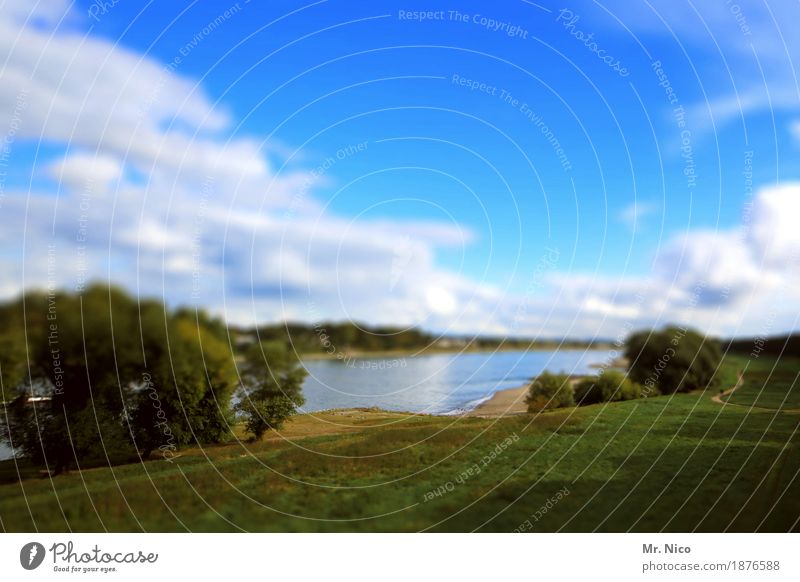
[271, 387]
[674, 359]
[183, 395]
[104, 376]
[549, 391]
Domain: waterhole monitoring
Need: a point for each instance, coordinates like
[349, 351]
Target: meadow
[671, 463]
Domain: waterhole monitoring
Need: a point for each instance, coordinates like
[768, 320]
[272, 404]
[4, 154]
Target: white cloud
[635, 213]
[48, 12]
[98, 96]
[773, 230]
[743, 280]
[87, 171]
[255, 245]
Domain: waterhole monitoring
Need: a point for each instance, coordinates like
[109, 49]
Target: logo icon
[31, 555]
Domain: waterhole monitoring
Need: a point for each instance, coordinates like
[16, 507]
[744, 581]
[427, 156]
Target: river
[434, 384]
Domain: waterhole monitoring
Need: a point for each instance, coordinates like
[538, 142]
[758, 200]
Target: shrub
[588, 391]
[608, 386]
[549, 391]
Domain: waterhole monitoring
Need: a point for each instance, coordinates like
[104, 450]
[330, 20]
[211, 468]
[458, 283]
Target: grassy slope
[673, 463]
[770, 384]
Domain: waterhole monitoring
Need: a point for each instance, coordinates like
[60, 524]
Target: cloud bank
[159, 195]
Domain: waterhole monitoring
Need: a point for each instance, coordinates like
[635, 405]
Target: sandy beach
[503, 403]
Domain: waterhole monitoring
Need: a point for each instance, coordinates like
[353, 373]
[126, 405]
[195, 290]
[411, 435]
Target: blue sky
[479, 172]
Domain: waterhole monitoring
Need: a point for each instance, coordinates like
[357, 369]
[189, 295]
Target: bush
[672, 360]
[549, 391]
[588, 391]
[609, 386]
[630, 390]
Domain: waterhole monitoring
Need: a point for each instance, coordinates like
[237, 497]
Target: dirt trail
[718, 398]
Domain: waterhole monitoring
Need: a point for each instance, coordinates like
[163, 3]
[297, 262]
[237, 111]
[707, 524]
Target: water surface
[435, 384]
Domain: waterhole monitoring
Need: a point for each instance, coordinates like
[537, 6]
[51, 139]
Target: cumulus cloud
[214, 224]
[743, 280]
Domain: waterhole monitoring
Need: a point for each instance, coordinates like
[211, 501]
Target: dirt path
[719, 399]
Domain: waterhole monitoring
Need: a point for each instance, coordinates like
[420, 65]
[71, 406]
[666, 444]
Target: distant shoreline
[361, 354]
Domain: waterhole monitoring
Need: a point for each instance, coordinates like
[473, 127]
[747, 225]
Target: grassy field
[680, 463]
[769, 384]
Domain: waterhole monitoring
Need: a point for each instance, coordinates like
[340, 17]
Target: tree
[183, 395]
[271, 383]
[68, 406]
[609, 386]
[103, 376]
[549, 391]
[675, 359]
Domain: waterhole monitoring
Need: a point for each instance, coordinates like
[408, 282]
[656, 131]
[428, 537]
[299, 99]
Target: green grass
[678, 463]
[770, 384]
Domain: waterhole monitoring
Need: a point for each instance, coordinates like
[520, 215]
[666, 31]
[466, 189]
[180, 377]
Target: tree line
[345, 337]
